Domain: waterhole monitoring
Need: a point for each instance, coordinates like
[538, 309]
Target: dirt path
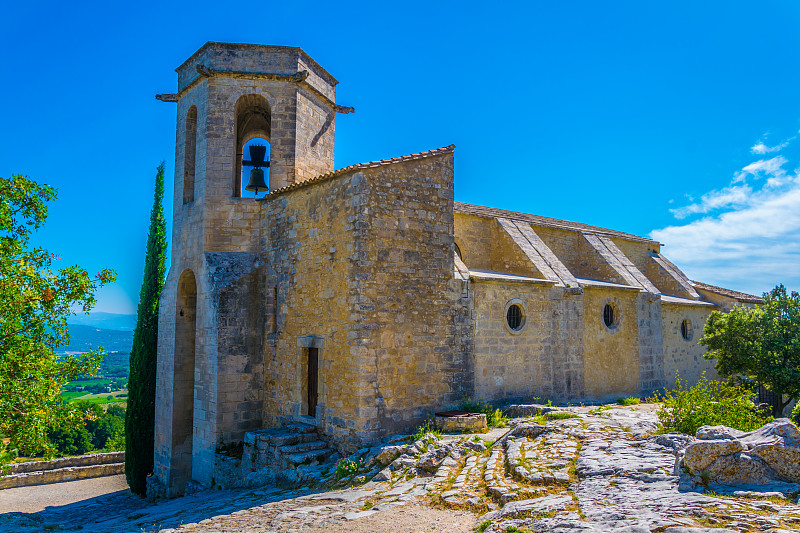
[413, 518]
[36, 498]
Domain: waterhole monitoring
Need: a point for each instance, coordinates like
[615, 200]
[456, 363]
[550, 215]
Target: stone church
[360, 301]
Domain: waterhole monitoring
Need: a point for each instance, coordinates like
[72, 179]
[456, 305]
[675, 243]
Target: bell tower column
[228, 95]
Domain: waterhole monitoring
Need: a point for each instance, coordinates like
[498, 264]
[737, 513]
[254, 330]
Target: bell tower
[240, 107]
[232, 94]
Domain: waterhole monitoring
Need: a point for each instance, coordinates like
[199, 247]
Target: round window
[611, 315]
[514, 317]
[686, 330]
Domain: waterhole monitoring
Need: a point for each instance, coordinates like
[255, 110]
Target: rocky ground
[587, 469]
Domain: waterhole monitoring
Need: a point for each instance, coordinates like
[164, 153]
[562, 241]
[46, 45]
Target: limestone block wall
[237, 285]
[637, 252]
[311, 291]
[544, 359]
[577, 254]
[486, 246]
[651, 343]
[681, 356]
[315, 136]
[611, 356]
[411, 318]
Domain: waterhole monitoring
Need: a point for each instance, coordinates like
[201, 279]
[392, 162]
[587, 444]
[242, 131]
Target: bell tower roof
[254, 59]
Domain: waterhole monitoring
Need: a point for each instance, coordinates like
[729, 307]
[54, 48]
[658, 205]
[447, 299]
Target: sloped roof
[372, 164]
[483, 211]
[736, 295]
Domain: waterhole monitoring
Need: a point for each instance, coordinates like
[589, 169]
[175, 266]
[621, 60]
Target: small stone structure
[460, 421]
[359, 301]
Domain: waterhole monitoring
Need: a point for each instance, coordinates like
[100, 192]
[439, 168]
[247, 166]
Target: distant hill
[85, 338]
[105, 321]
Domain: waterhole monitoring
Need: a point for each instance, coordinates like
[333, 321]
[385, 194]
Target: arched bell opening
[253, 134]
[189, 154]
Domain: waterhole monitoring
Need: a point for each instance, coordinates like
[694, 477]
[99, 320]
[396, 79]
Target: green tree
[35, 301]
[761, 343]
[140, 415]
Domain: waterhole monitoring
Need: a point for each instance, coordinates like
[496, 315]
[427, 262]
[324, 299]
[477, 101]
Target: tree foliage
[35, 301]
[140, 416]
[101, 431]
[761, 343]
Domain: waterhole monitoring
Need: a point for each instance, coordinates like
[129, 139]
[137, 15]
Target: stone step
[303, 447]
[300, 428]
[288, 439]
[310, 457]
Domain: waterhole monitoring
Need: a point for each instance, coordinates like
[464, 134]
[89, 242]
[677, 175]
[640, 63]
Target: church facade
[362, 300]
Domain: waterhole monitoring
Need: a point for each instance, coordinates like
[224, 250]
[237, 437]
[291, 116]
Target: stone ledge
[60, 474]
[63, 462]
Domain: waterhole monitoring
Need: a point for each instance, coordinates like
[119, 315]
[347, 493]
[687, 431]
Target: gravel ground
[412, 518]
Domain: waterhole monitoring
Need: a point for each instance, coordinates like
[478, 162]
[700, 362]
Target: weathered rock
[718, 433]
[475, 444]
[701, 454]
[675, 441]
[383, 475]
[535, 505]
[528, 430]
[784, 460]
[740, 469]
[387, 454]
[431, 460]
[768, 457]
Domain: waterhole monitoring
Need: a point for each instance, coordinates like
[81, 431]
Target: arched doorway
[183, 381]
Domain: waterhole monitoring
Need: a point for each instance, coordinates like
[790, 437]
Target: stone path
[593, 470]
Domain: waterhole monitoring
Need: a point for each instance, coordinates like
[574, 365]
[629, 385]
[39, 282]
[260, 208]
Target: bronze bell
[257, 183]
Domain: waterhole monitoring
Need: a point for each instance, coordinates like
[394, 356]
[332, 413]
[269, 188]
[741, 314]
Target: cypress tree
[140, 415]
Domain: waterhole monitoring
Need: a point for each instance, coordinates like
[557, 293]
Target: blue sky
[676, 120]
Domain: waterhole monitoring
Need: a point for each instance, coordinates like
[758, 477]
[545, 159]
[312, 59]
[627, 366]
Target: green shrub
[494, 417]
[427, 427]
[347, 468]
[709, 403]
[560, 415]
[796, 414]
[629, 401]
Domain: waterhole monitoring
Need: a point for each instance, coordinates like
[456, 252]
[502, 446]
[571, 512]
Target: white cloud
[761, 148]
[752, 242]
[734, 195]
[764, 167]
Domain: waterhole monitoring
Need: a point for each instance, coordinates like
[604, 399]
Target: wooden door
[313, 366]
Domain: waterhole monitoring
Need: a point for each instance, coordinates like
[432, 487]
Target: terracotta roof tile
[740, 296]
[480, 210]
[372, 164]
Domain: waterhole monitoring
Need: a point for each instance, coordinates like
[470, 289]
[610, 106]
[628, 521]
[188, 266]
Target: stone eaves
[360, 166]
[736, 295]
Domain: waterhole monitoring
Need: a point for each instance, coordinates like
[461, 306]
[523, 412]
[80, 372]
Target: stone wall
[311, 251]
[544, 359]
[486, 245]
[63, 469]
[681, 356]
[411, 316]
[611, 356]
